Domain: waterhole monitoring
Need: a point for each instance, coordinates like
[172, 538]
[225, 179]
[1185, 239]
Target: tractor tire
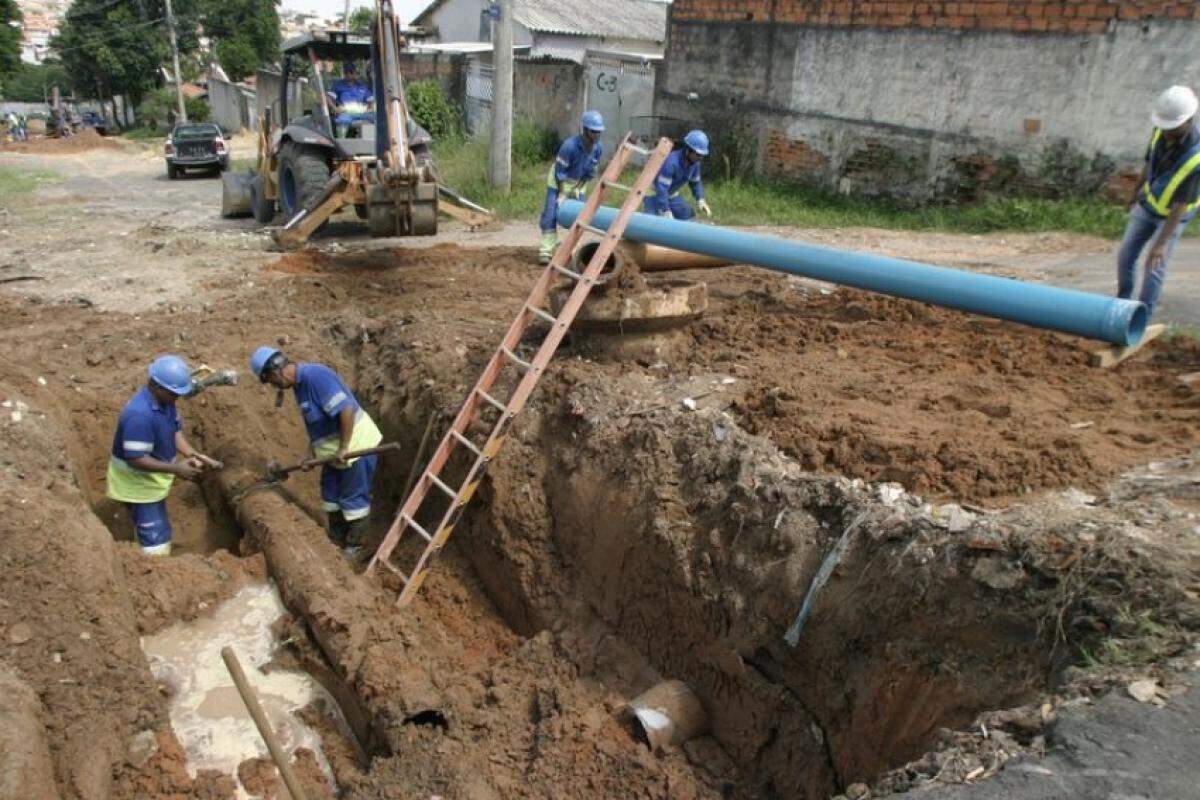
[261, 206]
[303, 173]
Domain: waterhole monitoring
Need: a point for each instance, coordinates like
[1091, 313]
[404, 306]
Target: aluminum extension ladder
[481, 396]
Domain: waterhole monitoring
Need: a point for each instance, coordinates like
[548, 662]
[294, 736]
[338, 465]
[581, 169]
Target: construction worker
[682, 166]
[352, 100]
[336, 425]
[146, 453]
[1167, 197]
[574, 166]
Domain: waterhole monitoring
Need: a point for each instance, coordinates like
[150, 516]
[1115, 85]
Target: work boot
[338, 527]
[356, 537]
[546, 246]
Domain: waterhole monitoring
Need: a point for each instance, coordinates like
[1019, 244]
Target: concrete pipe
[648, 258]
[669, 713]
[1092, 316]
[235, 194]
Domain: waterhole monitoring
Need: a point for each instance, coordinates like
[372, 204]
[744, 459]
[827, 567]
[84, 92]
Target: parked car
[195, 145]
[97, 120]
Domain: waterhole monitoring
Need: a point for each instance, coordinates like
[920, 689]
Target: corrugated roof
[627, 19]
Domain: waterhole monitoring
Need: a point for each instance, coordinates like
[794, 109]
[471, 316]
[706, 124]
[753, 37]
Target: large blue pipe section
[1093, 316]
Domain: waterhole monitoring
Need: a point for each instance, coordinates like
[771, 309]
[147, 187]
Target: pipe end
[1137, 325]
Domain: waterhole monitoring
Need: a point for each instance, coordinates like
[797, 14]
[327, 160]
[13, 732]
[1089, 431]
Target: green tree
[244, 31]
[10, 38]
[361, 20]
[31, 83]
[112, 47]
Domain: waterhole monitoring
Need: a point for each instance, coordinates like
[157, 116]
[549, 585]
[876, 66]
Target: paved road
[1117, 749]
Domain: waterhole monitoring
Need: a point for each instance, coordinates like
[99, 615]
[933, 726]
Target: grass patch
[462, 164]
[142, 135]
[18, 180]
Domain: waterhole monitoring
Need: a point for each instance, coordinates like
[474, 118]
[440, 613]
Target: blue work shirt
[321, 396]
[146, 428]
[576, 161]
[1162, 160]
[674, 174]
[344, 93]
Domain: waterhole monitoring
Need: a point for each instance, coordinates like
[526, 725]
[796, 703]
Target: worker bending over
[682, 166]
[336, 425]
[574, 166]
[1167, 197]
[145, 453]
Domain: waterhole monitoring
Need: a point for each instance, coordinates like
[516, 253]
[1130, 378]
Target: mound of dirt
[85, 140]
[941, 402]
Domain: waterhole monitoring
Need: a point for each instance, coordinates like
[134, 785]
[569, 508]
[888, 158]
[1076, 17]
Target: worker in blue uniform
[573, 167]
[681, 167]
[352, 101]
[149, 451]
[1167, 197]
[336, 425]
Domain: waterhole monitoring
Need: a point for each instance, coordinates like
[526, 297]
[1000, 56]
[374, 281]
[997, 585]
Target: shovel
[276, 473]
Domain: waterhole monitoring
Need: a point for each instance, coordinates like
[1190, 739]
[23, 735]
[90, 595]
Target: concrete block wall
[929, 99]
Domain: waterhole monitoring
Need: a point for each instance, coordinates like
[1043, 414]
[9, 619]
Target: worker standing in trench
[573, 167]
[336, 425]
[144, 461]
[1167, 197]
[682, 166]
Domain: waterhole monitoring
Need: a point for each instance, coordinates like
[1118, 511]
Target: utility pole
[346, 16]
[500, 163]
[175, 60]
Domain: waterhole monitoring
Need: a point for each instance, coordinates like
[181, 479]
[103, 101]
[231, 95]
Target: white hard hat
[1174, 107]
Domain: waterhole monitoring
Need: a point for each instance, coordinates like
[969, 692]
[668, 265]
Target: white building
[555, 28]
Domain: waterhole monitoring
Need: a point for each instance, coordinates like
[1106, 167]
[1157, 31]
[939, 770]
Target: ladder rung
[395, 570]
[441, 485]
[492, 400]
[614, 185]
[412, 522]
[466, 442]
[516, 358]
[570, 273]
[593, 229]
[545, 315]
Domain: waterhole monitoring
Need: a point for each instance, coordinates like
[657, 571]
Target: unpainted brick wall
[1050, 16]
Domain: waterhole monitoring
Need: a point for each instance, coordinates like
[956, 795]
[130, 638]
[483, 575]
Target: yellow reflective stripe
[364, 436]
[132, 485]
[1162, 204]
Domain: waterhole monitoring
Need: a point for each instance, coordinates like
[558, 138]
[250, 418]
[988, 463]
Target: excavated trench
[621, 538]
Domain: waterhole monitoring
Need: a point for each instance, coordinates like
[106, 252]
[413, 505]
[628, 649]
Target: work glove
[577, 193]
[703, 206]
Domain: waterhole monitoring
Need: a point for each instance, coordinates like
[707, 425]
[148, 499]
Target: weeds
[18, 180]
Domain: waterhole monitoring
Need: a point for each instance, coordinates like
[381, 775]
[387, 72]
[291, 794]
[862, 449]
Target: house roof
[626, 19]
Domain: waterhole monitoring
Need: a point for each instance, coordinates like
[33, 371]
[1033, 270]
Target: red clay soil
[944, 403]
[85, 140]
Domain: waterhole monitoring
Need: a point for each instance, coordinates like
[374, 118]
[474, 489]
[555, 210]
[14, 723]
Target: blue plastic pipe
[1092, 316]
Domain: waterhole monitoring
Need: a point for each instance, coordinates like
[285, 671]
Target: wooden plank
[471, 219]
[1111, 356]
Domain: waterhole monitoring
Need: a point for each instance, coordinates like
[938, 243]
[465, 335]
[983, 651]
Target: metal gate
[479, 95]
[620, 90]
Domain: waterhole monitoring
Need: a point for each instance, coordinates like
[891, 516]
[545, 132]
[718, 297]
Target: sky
[407, 9]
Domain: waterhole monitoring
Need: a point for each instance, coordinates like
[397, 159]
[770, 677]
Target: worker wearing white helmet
[146, 450]
[1167, 197]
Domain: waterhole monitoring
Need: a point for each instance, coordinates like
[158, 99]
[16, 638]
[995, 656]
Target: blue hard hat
[592, 121]
[697, 140]
[264, 360]
[173, 374]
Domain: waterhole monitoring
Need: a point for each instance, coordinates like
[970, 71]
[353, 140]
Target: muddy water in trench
[207, 712]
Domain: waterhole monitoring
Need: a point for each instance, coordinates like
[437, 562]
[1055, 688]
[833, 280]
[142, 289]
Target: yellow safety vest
[364, 435]
[128, 484]
[1159, 192]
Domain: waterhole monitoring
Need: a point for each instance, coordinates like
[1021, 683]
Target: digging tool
[278, 754]
[277, 473]
[205, 377]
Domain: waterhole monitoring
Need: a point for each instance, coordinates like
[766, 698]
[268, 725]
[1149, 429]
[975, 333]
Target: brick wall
[1049, 16]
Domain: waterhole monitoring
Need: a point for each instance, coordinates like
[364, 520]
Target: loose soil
[622, 537]
[85, 140]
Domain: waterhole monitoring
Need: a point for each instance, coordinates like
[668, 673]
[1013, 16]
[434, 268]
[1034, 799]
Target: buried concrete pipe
[648, 258]
[668, 713]
[1092, 316]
